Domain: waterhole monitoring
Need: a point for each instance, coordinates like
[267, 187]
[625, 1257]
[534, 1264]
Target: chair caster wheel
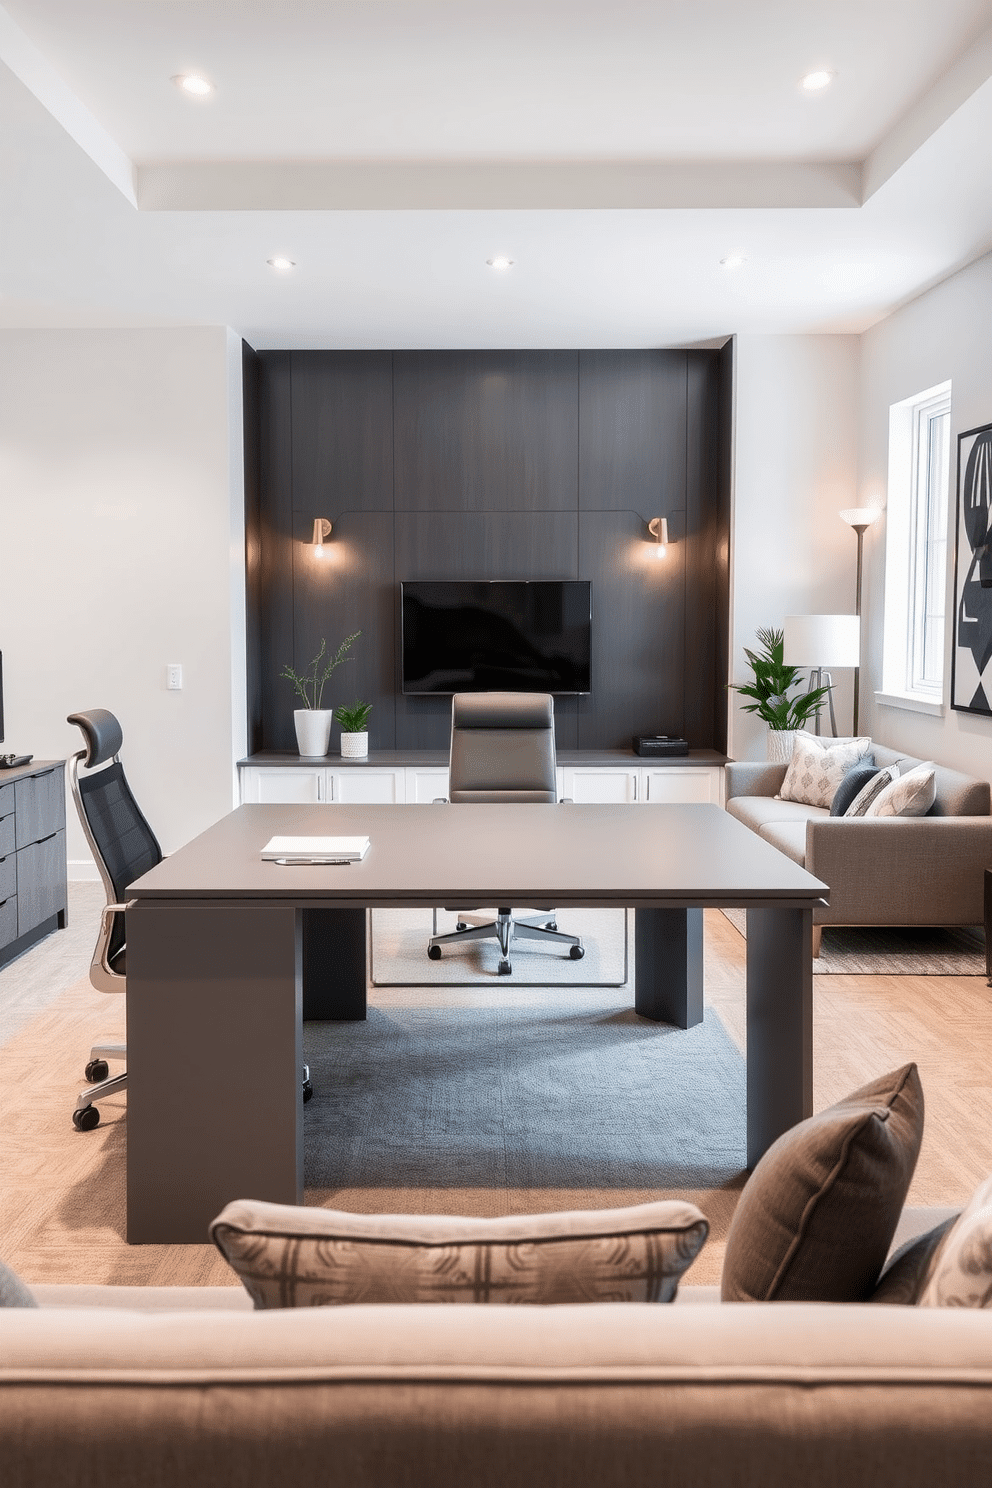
[86, 1119]
[460, 925]
[434, 953]
[97, 1070]
[576, 953]
[307, 1091]
[504, 968]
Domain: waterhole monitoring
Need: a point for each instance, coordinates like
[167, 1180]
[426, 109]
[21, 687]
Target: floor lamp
[859, 517]
[820, 642]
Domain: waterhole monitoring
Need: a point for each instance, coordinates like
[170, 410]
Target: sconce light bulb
[662, 551]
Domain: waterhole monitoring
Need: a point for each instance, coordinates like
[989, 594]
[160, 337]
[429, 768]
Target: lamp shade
[823, 640]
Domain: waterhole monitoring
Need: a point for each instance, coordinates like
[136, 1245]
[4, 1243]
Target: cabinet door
[291, 786]
[41, 888]
[424, 786]
[600, 787]
[683, 783]
[40, 806]
[363, 787]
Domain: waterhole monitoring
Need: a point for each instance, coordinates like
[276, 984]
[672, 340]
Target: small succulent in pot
[354, 719]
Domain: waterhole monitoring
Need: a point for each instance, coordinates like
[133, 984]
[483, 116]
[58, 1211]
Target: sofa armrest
[924, 870]
[753, 778]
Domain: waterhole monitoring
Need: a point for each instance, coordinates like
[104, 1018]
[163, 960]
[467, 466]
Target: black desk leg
[779, 1024]
[333, 965]
[668, 965]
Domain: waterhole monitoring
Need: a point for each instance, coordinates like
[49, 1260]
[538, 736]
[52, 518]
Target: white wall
[796, 429]
[122, 549]
[942, 335]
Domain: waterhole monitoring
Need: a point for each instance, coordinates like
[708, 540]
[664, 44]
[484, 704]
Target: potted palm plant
[313, 723]
[773, 682]
[354, 723]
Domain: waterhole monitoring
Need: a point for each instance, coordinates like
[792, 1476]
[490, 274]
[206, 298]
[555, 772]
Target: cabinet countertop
[391, 759]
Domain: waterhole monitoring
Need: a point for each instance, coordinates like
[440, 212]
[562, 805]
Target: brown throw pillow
[293, 1257]
[816, 1218]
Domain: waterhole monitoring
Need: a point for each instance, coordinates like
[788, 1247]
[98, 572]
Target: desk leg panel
[334, 974]
[779, 1024]
[668, 965]
[215, 1063]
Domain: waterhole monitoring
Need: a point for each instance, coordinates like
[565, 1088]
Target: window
[916, 550]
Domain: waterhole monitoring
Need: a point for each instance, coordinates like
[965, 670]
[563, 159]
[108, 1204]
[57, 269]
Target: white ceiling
[390, 147]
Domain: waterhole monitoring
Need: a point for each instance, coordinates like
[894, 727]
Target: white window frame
[916, 552]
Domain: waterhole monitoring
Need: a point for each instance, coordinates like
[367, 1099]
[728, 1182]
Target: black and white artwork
[971, 677]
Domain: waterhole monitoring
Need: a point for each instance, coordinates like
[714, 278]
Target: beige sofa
[187, 1388]
[924, 870]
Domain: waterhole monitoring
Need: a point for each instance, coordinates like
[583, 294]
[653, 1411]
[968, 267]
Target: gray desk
[241, 950]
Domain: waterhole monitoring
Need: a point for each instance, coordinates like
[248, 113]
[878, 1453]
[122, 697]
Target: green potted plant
[313, 723]
[773, 682]
[354, 723]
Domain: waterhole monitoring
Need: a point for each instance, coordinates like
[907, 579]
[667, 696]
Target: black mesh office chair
[124, 847]
[503, 750]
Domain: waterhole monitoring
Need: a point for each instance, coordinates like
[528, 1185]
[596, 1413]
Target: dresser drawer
[7, 799]
[7, 842]
[8, 922]
[40, 801]
[8, 877]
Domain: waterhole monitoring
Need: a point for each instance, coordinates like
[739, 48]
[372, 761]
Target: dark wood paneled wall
[491, 465]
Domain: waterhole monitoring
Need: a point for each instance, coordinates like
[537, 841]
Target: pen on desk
[294, 862]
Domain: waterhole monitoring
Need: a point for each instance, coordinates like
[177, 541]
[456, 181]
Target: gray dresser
[32, 855]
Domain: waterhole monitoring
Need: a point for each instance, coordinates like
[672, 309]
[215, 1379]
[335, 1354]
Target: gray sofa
[170, 1387]
[924, 870]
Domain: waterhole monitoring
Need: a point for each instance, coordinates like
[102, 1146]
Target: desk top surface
[464, 856]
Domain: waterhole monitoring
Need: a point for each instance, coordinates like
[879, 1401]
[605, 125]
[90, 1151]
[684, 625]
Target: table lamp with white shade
[821, 642]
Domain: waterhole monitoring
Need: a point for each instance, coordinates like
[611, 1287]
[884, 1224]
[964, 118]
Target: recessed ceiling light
[193, 84]
[733, 261]
[814, 81]
[281, 265]
[500, 264]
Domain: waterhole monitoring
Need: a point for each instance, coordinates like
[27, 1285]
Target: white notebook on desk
[315, 849]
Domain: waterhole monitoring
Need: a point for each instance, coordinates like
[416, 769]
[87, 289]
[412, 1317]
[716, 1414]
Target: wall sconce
[658, 528]
[321, 529]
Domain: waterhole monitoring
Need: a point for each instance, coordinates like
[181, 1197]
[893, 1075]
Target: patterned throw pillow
[856, 777]
[294, 1257]
[911, 794]
[871, 790]
[816, 769]
[961, 1271]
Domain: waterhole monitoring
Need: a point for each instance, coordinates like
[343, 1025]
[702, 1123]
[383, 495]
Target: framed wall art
[971, 656]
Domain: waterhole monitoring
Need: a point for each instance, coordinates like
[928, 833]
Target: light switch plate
[174, 676]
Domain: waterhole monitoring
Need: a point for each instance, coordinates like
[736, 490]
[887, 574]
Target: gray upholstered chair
[503, 750]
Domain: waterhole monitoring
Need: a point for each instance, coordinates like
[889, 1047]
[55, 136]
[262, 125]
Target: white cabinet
[600, 787]
[686, 783]
[292, 785]
[361, 786]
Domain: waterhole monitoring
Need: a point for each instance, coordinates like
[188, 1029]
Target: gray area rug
[562, 1092]
[399, 952]
[868, 950]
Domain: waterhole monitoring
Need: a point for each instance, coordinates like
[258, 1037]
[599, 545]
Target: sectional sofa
[926, 870]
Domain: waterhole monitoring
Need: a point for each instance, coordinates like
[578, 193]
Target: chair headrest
[502, 710]
[102, 733]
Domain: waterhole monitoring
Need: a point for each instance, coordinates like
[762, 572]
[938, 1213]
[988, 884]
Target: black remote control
[11, 761]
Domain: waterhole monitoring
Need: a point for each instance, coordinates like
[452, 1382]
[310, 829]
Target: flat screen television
[496, 635]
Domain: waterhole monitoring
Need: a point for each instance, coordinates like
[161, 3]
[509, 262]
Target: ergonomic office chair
[503, 750]
[124, 847]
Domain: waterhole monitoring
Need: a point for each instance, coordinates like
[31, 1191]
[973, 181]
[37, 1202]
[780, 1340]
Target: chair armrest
[921, 870]
[102, 975]
[753, 778]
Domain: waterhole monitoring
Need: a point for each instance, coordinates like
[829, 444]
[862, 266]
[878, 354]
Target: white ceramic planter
[780, 742]
[313, 729]
[354, 746]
